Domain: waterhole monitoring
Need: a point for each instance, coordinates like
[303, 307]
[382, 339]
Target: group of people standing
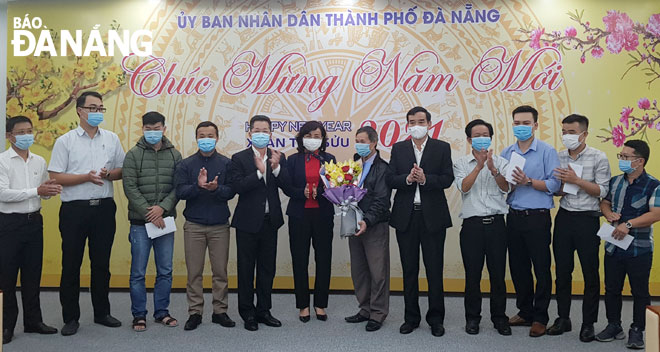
[86, 161]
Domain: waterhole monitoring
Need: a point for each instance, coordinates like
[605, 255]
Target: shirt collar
[370, 160]
[81, 131]
[13, 154]
[423, 144]
[531, 147]
[256, 152]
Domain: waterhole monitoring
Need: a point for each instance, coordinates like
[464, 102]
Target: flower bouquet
[341, 189]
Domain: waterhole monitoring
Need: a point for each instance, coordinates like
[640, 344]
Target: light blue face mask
[481, 143]
[362, 149]
[626, 166]
[206, 144]
[522, 132]
[153, 137]
[24, 141]
[260, 139]
[94, 118]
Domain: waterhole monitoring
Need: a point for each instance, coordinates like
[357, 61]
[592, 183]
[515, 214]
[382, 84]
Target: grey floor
[332, 335]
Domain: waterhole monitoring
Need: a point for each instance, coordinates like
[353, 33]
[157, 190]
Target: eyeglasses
[22, 132]
[94, 108]
[627, 157]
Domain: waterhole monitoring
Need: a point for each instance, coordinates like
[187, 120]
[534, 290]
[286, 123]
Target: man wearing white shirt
[23, 182]
[85, 161]
[478, 176]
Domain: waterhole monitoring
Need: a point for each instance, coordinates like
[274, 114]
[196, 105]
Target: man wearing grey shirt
[478, 176]
[577, 223]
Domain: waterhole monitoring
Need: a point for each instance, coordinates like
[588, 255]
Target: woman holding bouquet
[370, 247]
[310, 219]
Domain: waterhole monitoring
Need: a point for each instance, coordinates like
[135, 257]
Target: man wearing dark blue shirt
[528, 221]
[632, 206]
[201, 181]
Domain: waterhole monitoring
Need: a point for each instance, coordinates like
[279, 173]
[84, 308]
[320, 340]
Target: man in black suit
[255, 174]
[420, 171]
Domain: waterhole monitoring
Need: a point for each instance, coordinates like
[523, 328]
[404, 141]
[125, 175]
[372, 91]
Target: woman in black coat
[310, 219]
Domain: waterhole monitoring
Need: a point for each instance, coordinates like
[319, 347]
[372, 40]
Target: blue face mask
[362, 149]
[206, 144]
[481, 143]
[522, 132]
[24, 141]
[626, 166]
[260, 139]
[153, 137]
[94, 118]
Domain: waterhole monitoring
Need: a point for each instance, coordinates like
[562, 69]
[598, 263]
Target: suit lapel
[427, 152]
[410, 152]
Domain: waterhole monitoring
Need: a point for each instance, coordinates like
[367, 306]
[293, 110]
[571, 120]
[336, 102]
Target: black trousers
[433, 248]
[482, 239]
[256, 250]
[528, 240]
[21, 249]
[82, 223]
[316, 229]
[576, 231]
[638, 270]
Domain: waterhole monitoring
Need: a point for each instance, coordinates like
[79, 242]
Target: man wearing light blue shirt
[529, 223]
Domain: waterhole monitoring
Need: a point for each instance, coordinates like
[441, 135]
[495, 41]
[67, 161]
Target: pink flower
[657, 127]
[571, 32]
[597, 52]
[618, 137]
[621, 31]
[625, 114]
[535, 38]
[644, 103]
[582, 59]
[654, 25]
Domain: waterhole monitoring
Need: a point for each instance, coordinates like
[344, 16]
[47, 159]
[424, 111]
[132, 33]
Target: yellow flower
[46, 139]
[44, 65]
[13, 108]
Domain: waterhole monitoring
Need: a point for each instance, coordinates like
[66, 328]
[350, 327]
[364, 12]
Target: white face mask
[312, 144]
[418, 132]
[571, 141]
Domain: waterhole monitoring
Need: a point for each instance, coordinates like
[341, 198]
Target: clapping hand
[49, 188]
[519, 176]
[94, 178]
[566, 175]
[201, 181]
[275, 157]
[259, 162]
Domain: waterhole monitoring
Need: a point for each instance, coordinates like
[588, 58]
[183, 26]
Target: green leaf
[605, 130]
[633, 57]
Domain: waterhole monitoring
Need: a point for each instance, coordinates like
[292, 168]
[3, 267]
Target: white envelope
[517, 160]
[605, 233]
[154, 232]
[571, 188]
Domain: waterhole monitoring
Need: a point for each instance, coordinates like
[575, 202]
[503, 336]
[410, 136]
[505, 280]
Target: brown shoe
[537, 330]
[516, 320]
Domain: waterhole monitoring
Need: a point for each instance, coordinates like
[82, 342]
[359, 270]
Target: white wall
[3, 71]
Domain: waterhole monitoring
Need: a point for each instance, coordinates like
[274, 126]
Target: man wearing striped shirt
[478, 176]
[585, 176]
[632, 206]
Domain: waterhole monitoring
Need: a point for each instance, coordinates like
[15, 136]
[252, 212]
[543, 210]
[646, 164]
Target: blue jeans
[140, 248]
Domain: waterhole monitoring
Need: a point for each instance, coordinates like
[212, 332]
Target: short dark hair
[308, 127]
[152, 118]
[256, 118]
[478, 122]
[526, 108]
[641, 148]
[206, 124]
[80, 102]
[370, 131]
[582, 120]
[417, 109]
[13, 121]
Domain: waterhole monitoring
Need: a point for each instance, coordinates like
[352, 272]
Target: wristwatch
[529, 183]
[628, 225]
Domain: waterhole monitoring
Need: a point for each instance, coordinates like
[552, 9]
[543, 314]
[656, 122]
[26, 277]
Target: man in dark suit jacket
[420, 171]
[256, 173]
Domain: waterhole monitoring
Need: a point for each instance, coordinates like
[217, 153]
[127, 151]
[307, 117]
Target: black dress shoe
[373, 325]
[41, 328]
[503, 328]
[193, 322]
[587, 333]
[7, 336]
[407, 328]
[251, 324]
[321, 317]
[560, 326]
[108, 321]
[437, 330]
[223, 319]
[269, 320]
[70, 328]
[472, 327]
[357, 318]
[304, 318]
